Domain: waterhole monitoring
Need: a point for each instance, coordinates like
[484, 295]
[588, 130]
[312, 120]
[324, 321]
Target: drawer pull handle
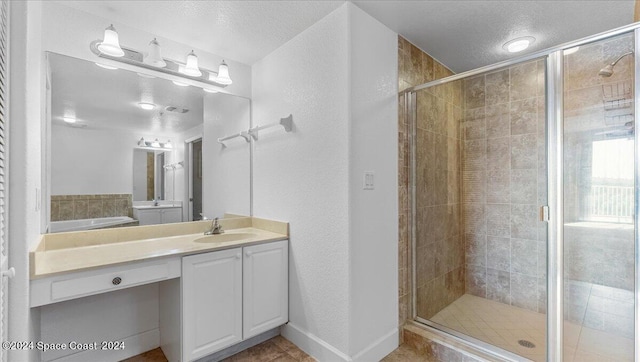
[116, 281]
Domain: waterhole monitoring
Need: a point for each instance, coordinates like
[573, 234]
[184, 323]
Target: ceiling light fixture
[110, 44]
[154, 56]
[110, 48]
[147, 106]
[518, 44]
[69, 119]
[210, 90]
[223, 74]
[105, 66]
[191, 68]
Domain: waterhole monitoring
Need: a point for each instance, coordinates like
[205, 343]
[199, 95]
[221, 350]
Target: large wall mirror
[130, 149]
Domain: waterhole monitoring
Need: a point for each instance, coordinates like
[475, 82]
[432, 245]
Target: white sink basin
[219, 238]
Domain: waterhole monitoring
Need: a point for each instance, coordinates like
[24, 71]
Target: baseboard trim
[312, 344]
[134, 345]
[380, 348]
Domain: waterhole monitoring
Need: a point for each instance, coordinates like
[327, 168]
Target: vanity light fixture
[223, 74]
[105, 66]
[110, 48]
[147, 106]
[518, 44]
[69, 119]
[154, 56]
[142, 142]
[110, 44]
[168, 144]
[191, 68]
[155, 143]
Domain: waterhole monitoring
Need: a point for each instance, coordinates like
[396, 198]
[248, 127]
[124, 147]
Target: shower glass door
[599, 201]
[479, 177]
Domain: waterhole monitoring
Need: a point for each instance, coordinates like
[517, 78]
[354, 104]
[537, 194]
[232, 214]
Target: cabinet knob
[238, 255]
[116, 281]
[248, 253]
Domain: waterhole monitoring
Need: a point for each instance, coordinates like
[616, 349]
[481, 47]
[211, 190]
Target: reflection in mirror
[129, 149]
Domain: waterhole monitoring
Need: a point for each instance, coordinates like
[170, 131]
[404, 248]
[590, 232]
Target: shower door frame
[554, 96]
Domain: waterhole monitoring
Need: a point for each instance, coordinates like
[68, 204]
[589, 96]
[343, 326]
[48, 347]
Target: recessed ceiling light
[106, 66]
[147, 106]
[571, 50]
[69, 119]
[518, 44]
[180, 83]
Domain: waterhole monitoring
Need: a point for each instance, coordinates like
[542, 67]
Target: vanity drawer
[82, 284]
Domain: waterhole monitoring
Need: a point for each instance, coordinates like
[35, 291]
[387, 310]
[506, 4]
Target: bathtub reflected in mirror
[120, 142]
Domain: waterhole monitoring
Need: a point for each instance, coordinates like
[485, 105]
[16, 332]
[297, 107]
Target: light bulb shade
[191, 68]
[223, 74]
[155, 143]
[154, 57]
[142, 142]
[168, 144]
[110, 44]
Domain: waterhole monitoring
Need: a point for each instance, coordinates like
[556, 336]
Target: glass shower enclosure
[524, 203]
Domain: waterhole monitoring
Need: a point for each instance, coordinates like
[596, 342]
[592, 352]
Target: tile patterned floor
[276, 349]
[503, 325]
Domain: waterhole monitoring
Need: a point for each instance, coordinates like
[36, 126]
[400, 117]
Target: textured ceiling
[244, 31]
[465, 35]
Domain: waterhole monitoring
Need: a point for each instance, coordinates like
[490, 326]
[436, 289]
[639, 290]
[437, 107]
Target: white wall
[26, 93]
[373, 214]
[89, 161]
[302, 177]
[226, 170]
[339, 80]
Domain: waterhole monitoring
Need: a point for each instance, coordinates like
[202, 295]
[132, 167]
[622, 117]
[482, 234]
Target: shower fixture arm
[620, 57]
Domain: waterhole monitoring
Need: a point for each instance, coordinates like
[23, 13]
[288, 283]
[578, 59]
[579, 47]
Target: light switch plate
[369, 181]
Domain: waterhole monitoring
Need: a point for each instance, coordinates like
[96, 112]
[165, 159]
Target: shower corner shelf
[617, 95]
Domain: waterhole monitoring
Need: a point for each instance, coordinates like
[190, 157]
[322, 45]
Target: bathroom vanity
[214, 291]
[159, 214]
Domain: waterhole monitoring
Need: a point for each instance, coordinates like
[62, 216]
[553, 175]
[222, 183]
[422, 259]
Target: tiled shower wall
[76, 207]
[503, 182]
[440, 274]
[415, 67]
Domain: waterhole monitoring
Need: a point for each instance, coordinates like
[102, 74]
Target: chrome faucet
[216, 228]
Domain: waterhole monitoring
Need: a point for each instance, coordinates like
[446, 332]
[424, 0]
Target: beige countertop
[75, 251]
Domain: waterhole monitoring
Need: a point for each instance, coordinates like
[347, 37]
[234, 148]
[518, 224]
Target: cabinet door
[265, 287]
[149, 217]
[172, 215]
[211, 302]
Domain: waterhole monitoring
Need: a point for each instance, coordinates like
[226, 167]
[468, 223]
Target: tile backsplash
[76, 207]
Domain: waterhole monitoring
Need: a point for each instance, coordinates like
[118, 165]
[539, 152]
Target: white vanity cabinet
[211, 302]
[232, 295]
[158, 215]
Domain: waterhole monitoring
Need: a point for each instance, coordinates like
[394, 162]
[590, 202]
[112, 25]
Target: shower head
[608, 70]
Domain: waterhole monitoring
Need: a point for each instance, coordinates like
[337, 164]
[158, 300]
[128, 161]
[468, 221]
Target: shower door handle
[544, 213]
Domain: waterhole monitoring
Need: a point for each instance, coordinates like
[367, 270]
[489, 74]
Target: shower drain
[526, 344]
